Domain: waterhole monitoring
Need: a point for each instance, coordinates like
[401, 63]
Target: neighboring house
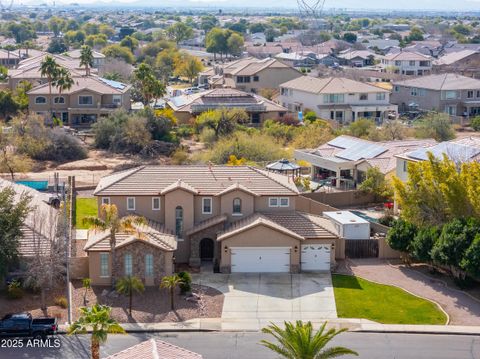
[358, 58]
[407, 63]
[344, 161]
[453, 94]
[252, 75]
[241, 218]
[155, 349]
[465, 62]
[9, 59]
[384, 45]
[462, 150]
[258, 108]
[297, 59]
[98, 57]
[338, 99]
[89, 98]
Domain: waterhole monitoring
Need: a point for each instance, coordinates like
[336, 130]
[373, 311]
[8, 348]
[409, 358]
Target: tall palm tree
[97, 319]
[63, 80]
[150, 87]
[299, 341]
[110, 221]
[49, 69]
[171, 282]
[128, 285]
[86, 58]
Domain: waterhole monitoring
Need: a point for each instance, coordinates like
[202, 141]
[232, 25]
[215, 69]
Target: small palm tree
[49, 69]
[63, 80]
[87, 284]
[128, 285]
[299, 341]
[86, 58]
[110, 221]
[171, 282]
[97, 319]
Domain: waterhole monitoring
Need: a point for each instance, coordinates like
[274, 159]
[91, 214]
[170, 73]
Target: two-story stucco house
[338, 99]
[453, 94]
[407, 63]
[89, 98]
[241, 218]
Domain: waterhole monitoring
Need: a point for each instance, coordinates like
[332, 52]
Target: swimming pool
[364, 216]
[38, 185]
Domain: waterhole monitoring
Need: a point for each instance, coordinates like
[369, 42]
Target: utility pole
[68, 248]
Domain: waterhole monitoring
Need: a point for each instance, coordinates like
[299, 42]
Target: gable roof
[452, 57]
[330, 85]
[88, 83]
[155, 349]
[237, 187]
[205, 180]
[407, 56]
[442, 82]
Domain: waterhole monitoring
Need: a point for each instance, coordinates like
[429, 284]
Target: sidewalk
[255, 325]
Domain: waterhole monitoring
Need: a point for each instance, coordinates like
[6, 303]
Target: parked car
[23, 325]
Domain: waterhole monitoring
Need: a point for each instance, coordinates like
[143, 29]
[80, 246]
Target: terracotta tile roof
[453, 57]
[296, 224]
[155, 349]
[207, 224]
[442, 82]
[234, 187]
[330, 85]
[207, 180]
[90, 83]
[407, 56]
[152, 233]
[179, 184]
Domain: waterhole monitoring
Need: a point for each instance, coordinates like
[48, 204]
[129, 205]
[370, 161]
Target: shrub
[61, 302]
[184, 131]
[14, 290]
[207, 135]
[180, 156]
[476, 123]
[401, 235]
[423, 243]
[288, 119]
[186, 284]
[310, 116]
[312, 135]
[280, 131]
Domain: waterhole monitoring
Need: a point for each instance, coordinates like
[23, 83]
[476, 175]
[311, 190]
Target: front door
[206, 249]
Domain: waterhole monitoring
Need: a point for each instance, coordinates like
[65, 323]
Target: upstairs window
[40, 100]
[380, 96]
[156, 203]
[237, 206]
[207, 205]
[178, 221]
[131, 203]
[85, 100]
[59, 100]
[363, 97]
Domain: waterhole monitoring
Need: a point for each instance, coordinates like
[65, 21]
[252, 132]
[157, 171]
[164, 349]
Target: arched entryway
[207, 249]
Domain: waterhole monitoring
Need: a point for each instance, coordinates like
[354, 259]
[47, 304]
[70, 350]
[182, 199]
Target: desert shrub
[312, 135]
[310, 116]
[207, 135]
[61, 147]
[14, 290]
[180, 156]
[281, 132]
[253, 147]
[476, 123]
[61, 302]
[186, 284]
[288, 119]
[184, 131]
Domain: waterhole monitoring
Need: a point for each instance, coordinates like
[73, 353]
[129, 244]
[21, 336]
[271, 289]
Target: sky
[456, 5]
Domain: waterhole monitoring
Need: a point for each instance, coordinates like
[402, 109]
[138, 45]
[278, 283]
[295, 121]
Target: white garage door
[315, 257]
[260, 259]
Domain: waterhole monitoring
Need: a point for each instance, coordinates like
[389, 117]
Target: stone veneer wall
[195, 239]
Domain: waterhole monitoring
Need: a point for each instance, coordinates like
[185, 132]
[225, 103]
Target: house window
[85, 100]
[396, 88]
[411, 63]
[398, 63]
[155, 203]
[413, 91]
[131, 203]
[40, 100]
[363, 97]
[207, 205]
[237, 206]
[255, 118]
[105, 200]
[380, 96]
[451, 110]
[128, 264]
[59, 100]
[178, 221]
[255, 78]
[470, 94]
[333, 98]
[273, 202]
[104, 265]
[478, 93]
[117, 99]
[421, 92]
[284, 202]
[449, 95]
[404, 166]
[149, 265]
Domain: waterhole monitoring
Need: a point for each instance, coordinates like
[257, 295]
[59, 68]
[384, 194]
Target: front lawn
[358, 298]
[85, 207]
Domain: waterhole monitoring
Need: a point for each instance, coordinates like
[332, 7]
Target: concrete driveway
[273, 297]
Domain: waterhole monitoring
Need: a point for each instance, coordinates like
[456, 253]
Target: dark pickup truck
[23, 325]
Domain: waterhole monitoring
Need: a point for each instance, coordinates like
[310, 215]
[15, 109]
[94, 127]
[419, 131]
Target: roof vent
[353, 220]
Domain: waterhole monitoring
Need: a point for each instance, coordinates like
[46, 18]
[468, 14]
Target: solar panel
[361, 150]
[343, 142]
[115, 84]
[454, 151]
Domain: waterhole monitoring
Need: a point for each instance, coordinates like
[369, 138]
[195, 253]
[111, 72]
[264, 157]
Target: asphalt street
[245, 345]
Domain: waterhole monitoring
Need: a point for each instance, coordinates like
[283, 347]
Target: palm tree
[63, 80]
[150, 87]
[87, 284]
[86, 58]
[49, 69]
[299, 341]
[171, 282]
[97, 319]
[110, 221]
[128, 285]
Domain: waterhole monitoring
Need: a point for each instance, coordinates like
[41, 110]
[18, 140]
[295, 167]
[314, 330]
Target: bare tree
[46, 267]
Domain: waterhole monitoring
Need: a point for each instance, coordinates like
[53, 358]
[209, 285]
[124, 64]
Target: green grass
[358, 298]
[85, 207]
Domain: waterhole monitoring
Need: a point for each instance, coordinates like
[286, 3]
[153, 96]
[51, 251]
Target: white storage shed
[349, 225]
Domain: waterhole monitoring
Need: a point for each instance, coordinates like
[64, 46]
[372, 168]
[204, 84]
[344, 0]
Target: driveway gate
[361, 248]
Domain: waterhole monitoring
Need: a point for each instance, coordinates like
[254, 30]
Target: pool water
[364, 216]
[38, 185]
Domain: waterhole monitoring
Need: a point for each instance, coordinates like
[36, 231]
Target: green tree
[376, 183]
[400, 236]
[235, 44]
[13, 212]
[179, 32]
[49, 69]
[171, 282]
[21, 31]
[20, 95]
[189, 67]
[111, 222]
[86, 58]
[435, 125]
[476, 123]
[300, 341]
[416, 34]
[216, 42]
[148, 85]
[361, 128]
[8, 105]
[56, 24]
[423, 242]
[63, 80]
[57, 46]
[119, 52]
[96, 319]
[87, 285]
[127, 286]
[130, 43]
[222, 121]
[166, 62]
[471, 260]
[350, 37]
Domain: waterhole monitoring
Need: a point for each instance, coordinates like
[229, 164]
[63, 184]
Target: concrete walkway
[462, 309]
[253, 300]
